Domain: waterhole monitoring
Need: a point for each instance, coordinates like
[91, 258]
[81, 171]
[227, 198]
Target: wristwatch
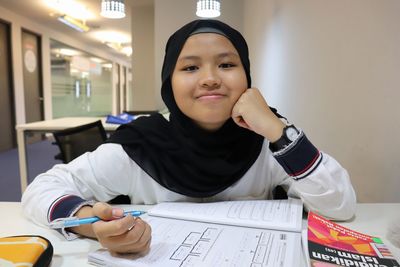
[289, 134]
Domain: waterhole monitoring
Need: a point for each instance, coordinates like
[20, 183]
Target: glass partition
[81, 83]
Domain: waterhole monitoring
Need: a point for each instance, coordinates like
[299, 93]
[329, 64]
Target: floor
[40, 159]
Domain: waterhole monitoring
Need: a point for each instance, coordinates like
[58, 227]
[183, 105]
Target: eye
[190, 68]
[227, 65]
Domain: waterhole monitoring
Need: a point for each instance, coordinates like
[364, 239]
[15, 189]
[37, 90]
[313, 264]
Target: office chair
[140, 112]
[75, 141]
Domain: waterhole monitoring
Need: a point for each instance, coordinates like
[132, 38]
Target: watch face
[292, 133]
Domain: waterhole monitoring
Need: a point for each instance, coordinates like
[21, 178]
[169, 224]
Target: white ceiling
[38, 11]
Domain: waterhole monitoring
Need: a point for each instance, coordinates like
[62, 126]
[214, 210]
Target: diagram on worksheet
[188, 244]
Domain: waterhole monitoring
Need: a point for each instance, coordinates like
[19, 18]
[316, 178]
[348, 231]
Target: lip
[210, 97]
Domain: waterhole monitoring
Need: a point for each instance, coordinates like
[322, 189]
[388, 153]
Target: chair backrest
[140, 112]
[75, 141]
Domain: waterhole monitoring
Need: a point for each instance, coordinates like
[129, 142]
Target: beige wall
[171, 15]
[332, 67]
[143, 58]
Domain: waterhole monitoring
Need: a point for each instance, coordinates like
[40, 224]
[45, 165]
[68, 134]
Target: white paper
[186, 243]
[304, 246]
[267, 214]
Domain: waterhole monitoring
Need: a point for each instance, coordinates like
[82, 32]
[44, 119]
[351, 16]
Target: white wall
[171, 15]
[332, 67]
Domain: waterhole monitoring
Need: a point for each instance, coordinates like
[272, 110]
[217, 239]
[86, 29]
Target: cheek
[243, 80]
[180, 91]
[239, 86]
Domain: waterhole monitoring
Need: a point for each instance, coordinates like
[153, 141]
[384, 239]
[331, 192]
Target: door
[32, 73]
[32, 76]
[7, 121]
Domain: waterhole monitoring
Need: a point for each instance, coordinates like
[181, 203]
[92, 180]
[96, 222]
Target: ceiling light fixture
[112, 36]
[74, 23]
[71, 8]
[125, 49]
[113, 9]
[208, 8]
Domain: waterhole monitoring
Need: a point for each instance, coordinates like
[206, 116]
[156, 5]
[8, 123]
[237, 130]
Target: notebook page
[283, 215]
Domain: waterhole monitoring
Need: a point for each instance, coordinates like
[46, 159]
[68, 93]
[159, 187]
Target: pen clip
[61, 222]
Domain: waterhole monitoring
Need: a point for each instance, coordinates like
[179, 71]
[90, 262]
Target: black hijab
[180, 155]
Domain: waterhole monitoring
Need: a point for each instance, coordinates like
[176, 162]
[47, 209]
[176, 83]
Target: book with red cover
[330, 245]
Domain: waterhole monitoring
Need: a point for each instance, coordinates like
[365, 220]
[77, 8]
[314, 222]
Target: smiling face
[208, 79]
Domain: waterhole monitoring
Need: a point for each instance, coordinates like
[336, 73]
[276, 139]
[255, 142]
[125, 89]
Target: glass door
[81, 82]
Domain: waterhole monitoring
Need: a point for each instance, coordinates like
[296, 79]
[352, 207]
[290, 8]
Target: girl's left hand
[252, 112]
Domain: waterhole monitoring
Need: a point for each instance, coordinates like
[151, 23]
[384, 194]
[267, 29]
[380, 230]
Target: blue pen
[75, 221]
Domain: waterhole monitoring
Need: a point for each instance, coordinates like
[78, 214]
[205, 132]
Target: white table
[371, 219]
[48, 126]
[66, 253]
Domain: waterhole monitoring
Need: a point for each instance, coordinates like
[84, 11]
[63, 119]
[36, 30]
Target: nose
[210, 79]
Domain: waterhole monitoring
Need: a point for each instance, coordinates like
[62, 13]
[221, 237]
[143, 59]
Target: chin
[210, 125]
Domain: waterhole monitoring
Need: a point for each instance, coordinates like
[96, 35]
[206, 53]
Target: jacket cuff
[64, 207]
[300, 158]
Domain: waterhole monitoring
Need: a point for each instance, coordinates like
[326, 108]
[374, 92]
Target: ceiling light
[71, 8]
[112, 36]
[208, 8]
[74, 23]
[66, 52]
[115, 46]
[96, 59]
[113, 9]
[107, 65]
[127, 50]
[121, 48]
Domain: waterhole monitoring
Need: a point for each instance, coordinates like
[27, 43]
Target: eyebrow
[221, 55]
[228, 54]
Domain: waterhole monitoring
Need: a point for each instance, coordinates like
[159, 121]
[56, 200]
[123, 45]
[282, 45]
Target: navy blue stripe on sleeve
[63, 206]
[300, 160]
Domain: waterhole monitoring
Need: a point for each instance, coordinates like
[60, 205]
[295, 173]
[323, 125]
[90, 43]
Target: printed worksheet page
[186, 243]
[269, 214]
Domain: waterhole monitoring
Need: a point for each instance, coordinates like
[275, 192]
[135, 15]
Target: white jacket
[108, 171]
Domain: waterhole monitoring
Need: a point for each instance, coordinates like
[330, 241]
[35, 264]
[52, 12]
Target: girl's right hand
[252, 112]
[115, 232]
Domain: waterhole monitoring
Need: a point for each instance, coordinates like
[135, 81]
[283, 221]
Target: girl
[221, 142]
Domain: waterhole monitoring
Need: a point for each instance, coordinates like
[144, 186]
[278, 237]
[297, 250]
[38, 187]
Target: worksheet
[188, 243]
[285, 215]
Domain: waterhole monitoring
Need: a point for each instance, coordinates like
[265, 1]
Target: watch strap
[283, 141]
